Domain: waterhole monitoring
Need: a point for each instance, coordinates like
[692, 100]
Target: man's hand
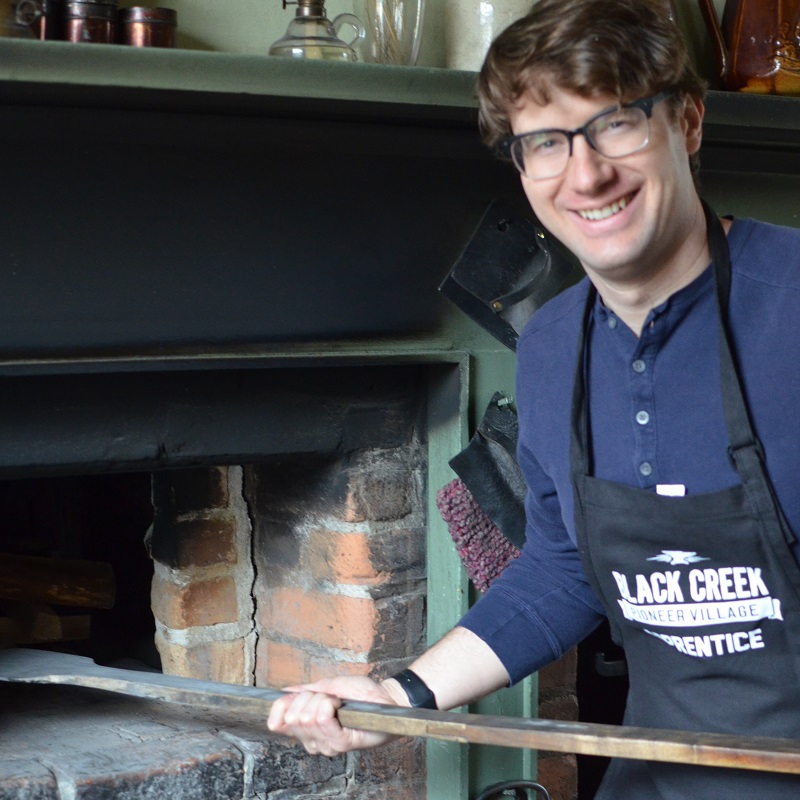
[458, 669]
[308, 713]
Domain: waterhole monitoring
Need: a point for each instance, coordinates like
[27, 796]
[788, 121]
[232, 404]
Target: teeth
[606, 211]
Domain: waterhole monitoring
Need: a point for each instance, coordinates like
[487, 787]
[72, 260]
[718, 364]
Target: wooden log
[39, 624]
[66, 582]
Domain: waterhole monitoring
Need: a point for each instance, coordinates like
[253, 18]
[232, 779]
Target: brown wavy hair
[624, 48]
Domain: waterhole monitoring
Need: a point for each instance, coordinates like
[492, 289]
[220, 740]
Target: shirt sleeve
[541, 605]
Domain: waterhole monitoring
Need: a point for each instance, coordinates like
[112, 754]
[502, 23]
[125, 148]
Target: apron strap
[744, 448]
[737, 418]
[580, 453]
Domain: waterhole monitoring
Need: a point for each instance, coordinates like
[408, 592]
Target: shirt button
[639, 365]
[612, 322]
[642, 417]
[646, 468]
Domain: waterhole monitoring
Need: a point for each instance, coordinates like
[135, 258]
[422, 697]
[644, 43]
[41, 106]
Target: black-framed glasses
[614, 132]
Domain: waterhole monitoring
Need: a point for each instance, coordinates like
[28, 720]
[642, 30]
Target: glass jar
[393, 30]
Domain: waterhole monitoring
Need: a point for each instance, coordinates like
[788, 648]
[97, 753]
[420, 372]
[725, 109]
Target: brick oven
[298, 566]
[302, 565]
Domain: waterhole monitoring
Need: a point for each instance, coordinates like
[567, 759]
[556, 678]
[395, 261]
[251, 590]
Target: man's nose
[587, 169]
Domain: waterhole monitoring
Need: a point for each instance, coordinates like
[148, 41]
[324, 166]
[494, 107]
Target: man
[657, 435]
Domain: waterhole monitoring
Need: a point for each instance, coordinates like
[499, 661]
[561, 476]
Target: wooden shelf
[114, 75]
[751, 133]
[193, 80]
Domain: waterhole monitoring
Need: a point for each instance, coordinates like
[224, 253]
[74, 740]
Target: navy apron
[702, 592]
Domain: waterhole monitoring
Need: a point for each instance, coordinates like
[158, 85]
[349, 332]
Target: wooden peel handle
[682, 747]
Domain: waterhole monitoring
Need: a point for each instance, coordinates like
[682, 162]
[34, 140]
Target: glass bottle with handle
[312, 35]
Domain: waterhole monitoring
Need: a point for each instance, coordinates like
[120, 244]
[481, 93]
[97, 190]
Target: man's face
[624, 218]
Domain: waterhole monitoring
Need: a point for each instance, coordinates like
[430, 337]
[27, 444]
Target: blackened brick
[193, 489]
[283, 765]
[194, 542]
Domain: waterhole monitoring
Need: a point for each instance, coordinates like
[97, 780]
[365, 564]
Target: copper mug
[758, 45]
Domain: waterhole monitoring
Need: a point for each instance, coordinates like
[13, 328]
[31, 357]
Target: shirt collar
[668, 314]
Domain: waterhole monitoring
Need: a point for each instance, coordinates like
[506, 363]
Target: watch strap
[419, 695]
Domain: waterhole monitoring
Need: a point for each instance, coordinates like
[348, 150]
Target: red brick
[211, 661]
[558, 773]
[319, 668]
[343, 558]
[559, 707]
[279, 664]
[353, 510]
[347, 623]
[560, 674]
[202, 602]
[194, 542]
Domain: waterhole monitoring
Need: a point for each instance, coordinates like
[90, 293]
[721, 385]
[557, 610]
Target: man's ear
[692, 120]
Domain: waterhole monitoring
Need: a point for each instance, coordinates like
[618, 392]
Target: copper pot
[48, 25]
[141, 26]
[758, 45]
[90, 21]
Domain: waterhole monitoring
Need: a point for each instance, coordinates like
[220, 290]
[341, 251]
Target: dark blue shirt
[656, 418]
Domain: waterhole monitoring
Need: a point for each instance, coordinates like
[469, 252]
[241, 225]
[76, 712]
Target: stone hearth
[67, 743]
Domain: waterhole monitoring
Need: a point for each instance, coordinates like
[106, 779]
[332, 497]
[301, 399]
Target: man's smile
[595, 214]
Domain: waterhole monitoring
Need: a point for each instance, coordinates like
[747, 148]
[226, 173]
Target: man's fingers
[311, 718]
[314, 708]
[308, 712]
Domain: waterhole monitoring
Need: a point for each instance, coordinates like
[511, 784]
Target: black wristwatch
[419, 695]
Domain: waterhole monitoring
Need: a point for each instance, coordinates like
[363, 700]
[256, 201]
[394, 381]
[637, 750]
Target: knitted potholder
[482, 548]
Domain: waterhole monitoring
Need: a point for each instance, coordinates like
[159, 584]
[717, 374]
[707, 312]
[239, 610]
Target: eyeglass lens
[616, 133]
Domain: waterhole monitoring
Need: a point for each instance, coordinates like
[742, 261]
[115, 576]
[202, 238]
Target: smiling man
[658, 429]
[623, 194]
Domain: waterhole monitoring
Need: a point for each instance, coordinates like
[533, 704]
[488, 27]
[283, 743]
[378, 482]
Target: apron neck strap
[737, 419]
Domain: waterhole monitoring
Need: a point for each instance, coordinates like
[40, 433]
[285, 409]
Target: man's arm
[458, 669]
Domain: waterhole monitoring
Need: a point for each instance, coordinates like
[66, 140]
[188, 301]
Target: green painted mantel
[233, 75]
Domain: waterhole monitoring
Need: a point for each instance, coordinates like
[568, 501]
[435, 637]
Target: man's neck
[633, 300]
